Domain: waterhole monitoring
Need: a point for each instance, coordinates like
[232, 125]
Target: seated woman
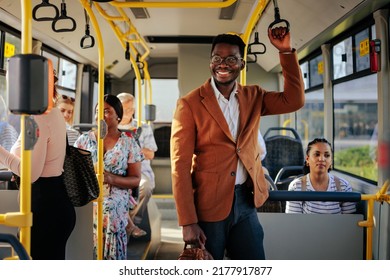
[317, 178]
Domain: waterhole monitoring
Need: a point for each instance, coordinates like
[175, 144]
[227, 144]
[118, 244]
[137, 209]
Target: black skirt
[54, 218]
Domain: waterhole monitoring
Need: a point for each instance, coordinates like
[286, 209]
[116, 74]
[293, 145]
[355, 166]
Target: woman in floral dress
[122, 172]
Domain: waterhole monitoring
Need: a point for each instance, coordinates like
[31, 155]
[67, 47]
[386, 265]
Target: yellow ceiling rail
[133, 63]
[169, 4]
[254, 19]
[132, 30]
[123, 36]
[134, 39]
[100, 167]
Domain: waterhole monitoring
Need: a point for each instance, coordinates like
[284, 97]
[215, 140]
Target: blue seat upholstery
[283, 151]
[285, 156]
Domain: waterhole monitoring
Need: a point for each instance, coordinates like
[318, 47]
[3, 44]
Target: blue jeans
[240, 234]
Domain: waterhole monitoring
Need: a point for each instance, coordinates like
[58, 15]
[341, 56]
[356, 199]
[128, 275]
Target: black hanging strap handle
[256, 43]
[278, 20]
[45, 4]
[87, 35]
[63, 17]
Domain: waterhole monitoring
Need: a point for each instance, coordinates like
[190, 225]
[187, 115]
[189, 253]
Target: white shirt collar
[218, 94]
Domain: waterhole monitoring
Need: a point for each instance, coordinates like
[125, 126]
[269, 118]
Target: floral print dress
[116, 203]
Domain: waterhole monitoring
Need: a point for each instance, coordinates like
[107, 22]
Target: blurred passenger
[149, 147]
[66, 106]
[8, 133]
[373, 149]
[122, 172]
[317, 178]
[53, 216]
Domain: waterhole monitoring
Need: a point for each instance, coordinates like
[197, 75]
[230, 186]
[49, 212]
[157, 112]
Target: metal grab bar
[184, 4]
[5, 175]
[16, 245]
[381, 196]
[314, 196]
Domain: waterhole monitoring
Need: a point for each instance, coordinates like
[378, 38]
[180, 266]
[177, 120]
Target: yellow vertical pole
[370, 216]
[248, 31]
[148, 86]
[25, 167]
[139, 100]
[100, 167]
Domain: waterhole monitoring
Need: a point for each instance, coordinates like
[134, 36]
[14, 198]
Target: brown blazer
[204, 155]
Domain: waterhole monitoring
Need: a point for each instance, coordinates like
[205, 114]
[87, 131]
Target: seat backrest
[282, 150]
[162, 135]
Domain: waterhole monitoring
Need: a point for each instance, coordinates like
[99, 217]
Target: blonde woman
[66, 106]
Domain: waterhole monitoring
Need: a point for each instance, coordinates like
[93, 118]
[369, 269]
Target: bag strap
[67, 145]
[336, 180]
[338, 183]
[303, 187]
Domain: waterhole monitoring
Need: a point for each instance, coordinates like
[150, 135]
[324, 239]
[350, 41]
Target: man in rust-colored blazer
[217, 177]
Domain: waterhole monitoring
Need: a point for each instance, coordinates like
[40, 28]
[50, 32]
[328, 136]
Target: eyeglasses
[230, 60]
[67, 97]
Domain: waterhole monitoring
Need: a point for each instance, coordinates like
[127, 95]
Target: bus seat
[283, 151]
[286, 174]
[162, 135]
[271, 206]
[284, 159]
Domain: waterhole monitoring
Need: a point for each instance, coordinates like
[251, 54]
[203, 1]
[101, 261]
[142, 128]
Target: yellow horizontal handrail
[16, 219]
[123, 36]
[168, 4]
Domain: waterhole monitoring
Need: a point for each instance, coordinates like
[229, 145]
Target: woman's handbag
[195, 253]
[79, 176]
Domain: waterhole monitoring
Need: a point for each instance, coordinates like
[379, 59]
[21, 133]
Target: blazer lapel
[212, 106]
[243, 111]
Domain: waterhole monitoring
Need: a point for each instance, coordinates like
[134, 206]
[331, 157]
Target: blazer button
[233, 174]
[238, 150]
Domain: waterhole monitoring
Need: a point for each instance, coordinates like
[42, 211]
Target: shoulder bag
[79, 176]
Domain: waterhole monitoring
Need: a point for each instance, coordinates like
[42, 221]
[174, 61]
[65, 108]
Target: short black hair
[115, 103]
[230, 39]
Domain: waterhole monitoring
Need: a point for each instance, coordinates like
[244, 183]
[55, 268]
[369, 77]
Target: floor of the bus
[171, 243]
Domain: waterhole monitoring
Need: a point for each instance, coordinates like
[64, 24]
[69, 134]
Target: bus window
[68, 74]
[165, 92]
[355, 118]
[12, 46]
[316, 69]
[310, 119]
[342, 59]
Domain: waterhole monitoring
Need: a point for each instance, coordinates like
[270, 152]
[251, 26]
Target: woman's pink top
[47, 157]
